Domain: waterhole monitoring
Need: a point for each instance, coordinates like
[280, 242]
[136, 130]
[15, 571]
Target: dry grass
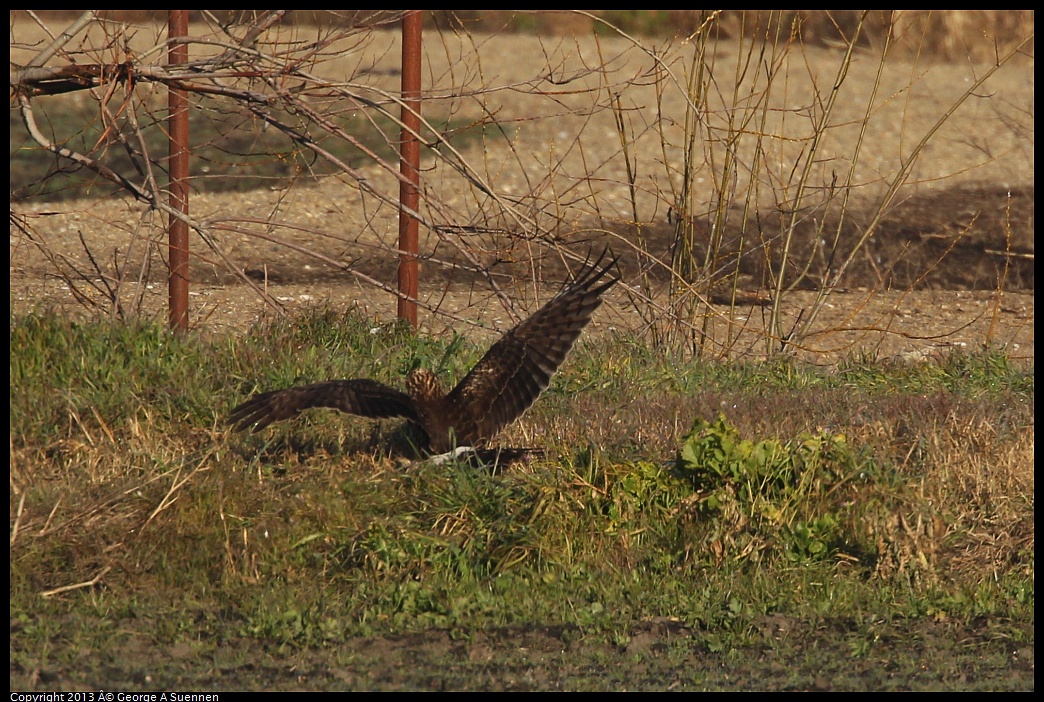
[986, 477]
[960, 455]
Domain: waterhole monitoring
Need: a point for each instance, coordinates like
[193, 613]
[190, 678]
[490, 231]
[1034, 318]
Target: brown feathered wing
[516, 369]
[366, 398]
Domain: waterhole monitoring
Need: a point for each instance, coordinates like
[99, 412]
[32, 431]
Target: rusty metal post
[409, 165]
[177, 229]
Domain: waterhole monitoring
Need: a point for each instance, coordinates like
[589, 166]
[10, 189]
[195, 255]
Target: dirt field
[954, 310]
[950, 264]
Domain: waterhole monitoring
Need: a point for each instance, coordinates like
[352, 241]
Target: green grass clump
[66, 377]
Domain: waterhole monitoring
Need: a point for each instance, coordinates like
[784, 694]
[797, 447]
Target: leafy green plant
[762, 492]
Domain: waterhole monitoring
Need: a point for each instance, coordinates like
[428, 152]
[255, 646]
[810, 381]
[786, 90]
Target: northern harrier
[500, 387]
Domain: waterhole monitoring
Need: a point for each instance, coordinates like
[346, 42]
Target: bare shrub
[759, 155]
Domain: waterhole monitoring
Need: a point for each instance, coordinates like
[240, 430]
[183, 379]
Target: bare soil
[784, 653]
[950, 262]
[932, 295]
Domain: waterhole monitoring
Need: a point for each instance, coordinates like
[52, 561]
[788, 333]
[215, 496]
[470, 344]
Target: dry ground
[951, 262]
[862, 319]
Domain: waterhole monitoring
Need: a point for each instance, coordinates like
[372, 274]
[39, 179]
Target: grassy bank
[685, 516]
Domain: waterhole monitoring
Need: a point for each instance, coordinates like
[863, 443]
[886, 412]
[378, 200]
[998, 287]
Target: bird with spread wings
[501, 386]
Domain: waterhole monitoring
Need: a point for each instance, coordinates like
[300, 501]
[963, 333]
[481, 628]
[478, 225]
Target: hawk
[501, 386]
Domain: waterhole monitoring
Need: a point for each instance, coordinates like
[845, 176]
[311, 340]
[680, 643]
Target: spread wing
[516, 369]
[366, 398]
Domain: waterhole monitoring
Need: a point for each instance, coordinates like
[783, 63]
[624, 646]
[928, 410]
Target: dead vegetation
[732, 167]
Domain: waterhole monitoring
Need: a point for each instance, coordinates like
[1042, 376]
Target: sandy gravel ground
[561, 175]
